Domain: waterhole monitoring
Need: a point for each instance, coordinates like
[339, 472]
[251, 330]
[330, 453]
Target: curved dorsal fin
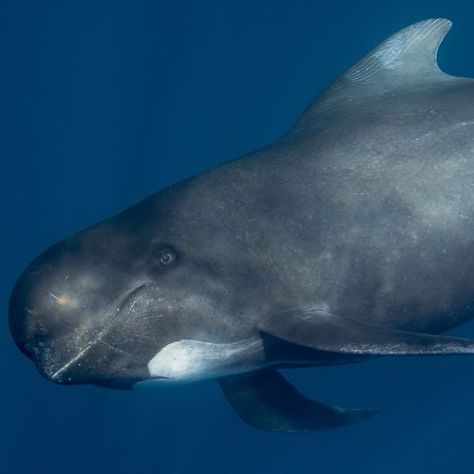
[406, 58]
[409, 54]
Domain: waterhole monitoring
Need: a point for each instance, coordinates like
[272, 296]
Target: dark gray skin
[351, 237]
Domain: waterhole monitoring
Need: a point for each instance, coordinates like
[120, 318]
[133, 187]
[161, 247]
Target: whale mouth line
[128, 298]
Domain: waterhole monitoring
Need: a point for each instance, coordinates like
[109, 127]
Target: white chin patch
[190, 360]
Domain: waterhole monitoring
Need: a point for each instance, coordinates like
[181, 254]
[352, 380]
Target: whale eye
[165, 257]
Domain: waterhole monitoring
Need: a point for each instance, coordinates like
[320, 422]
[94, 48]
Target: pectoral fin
[265, 400]
[317, 329]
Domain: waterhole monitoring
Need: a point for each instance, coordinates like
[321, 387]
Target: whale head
[99, 306]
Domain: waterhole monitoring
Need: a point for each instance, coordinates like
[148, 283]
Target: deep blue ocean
[105, 102]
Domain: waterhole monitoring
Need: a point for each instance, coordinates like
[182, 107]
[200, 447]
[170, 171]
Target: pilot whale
[351, 237]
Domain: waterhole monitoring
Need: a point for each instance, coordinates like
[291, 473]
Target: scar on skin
[60, 300]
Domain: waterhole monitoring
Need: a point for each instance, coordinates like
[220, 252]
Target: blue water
[103, 103]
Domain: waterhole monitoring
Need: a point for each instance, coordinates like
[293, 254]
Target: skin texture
[364, 212]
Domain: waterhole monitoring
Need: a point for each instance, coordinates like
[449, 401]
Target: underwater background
[103, 103]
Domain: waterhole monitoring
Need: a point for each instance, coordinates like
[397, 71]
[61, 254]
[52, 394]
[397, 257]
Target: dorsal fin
[406, 58]
[410, 54]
